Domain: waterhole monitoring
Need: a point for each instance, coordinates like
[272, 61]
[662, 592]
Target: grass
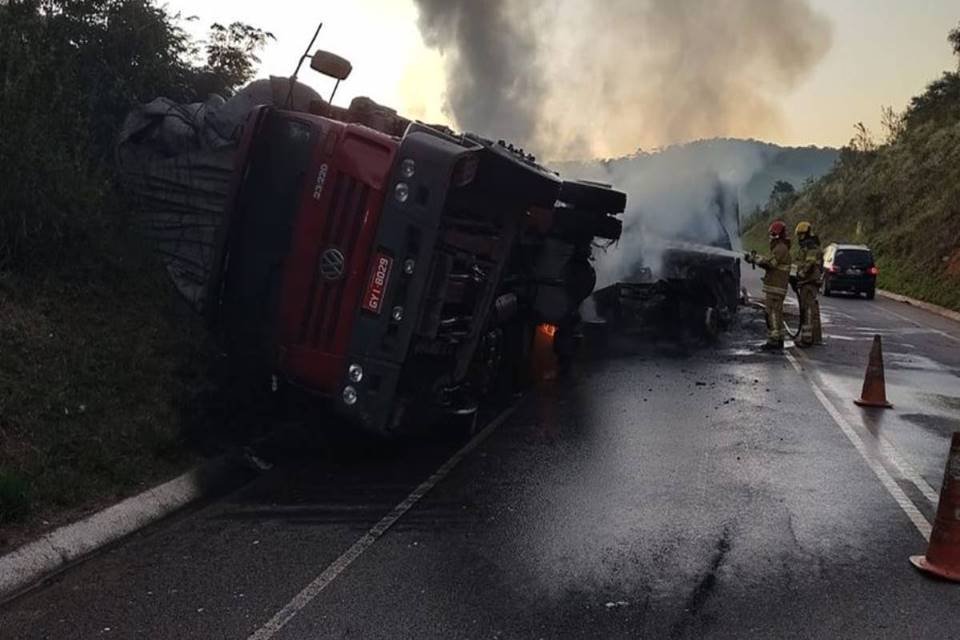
[14, 497]
[96, 363]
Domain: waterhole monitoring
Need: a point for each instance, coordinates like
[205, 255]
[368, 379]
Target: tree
[782, 195]
[782, 187]
[954, 39]
[232, 53]
[70, 70]
[894, 124]
[942, 97]
[862, 140]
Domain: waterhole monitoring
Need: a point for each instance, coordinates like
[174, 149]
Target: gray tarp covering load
[176, 161]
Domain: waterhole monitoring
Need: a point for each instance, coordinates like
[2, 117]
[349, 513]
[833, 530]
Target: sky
[882, 52]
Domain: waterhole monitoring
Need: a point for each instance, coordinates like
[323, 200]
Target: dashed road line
[321, 582]
[905, 504]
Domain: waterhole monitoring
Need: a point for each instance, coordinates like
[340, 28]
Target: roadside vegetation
[98, 358]
[900, 195]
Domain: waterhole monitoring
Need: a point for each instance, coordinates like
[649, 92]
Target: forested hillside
[900, 195]
[752, 166]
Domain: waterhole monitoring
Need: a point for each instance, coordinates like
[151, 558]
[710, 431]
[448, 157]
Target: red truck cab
[327, 251]
[395, 265]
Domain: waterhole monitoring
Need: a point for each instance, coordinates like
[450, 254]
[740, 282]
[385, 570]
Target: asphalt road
[659, 492]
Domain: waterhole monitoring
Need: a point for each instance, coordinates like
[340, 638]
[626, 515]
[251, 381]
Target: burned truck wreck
[693, 288]
[391, 270]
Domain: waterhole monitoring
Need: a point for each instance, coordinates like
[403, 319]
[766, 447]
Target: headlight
[397, 314]
[349, 396]
[401, 192]
[355, 373]
[407, 168]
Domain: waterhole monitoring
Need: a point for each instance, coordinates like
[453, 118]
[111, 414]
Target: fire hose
[786, 327]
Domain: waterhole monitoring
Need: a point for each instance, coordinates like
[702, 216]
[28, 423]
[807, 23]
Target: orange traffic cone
[874, 393]
[943, 554]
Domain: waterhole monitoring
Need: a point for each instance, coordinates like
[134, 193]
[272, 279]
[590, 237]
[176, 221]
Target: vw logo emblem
[331, 264]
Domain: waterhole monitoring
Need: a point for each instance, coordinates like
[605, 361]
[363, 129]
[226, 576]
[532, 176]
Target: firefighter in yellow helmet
[776, 279]
[809, 279]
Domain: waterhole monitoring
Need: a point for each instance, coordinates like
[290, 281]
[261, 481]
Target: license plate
[376, 289]
[854, 272]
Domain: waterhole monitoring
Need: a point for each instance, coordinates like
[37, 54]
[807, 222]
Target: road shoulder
[30, 564]
[920, 304]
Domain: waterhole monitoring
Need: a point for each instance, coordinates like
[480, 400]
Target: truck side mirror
[330, 64]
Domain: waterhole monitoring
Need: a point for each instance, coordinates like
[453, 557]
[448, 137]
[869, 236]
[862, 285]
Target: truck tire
[594, 196]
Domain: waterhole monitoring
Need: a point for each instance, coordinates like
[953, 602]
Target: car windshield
[854, 258]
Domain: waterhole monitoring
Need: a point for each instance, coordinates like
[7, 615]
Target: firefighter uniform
[776, 279]
[809, 279]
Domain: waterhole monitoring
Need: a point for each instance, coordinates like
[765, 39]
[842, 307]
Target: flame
[543, 361]
[548, 330]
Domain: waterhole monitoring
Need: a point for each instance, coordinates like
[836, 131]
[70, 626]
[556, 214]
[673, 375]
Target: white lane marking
[837, 336]
[918, 324]
[903, 467]
[920, 522]
[329, 574]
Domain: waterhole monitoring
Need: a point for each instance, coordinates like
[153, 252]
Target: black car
[849, 267]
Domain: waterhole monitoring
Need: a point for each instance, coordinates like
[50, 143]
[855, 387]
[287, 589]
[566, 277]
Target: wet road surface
[658, 492]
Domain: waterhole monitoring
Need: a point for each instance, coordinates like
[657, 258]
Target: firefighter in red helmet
[776, 279]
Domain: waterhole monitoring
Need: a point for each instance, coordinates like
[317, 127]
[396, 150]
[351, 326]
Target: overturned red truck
[394, 269]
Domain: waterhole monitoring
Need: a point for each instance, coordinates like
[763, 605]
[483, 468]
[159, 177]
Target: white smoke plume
[580, 79]
[680, 193]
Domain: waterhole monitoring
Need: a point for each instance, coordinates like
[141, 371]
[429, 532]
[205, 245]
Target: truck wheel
[593, 196]
[871, 294]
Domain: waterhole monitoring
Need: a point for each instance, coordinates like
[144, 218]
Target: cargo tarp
[176, 161]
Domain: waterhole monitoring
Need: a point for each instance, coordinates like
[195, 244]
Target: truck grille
[341, 229]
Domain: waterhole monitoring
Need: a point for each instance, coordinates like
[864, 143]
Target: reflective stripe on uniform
[775, 291]
[806, 331]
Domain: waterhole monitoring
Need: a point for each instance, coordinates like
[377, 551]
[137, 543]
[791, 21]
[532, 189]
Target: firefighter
[776, 278]
[809, 279]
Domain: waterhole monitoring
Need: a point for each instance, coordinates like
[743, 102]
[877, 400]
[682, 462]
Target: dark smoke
[495, 86]
[576, 79]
